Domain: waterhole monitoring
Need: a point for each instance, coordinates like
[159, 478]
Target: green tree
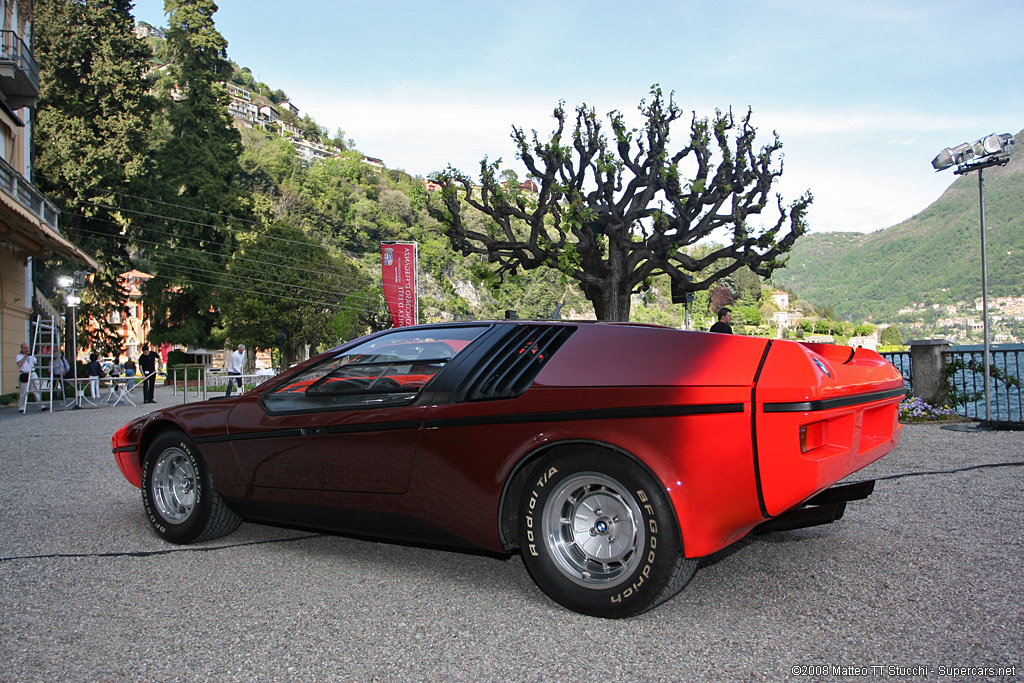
[748, 286]
[91, 139]
[610, 214]
[282, 290]
[890, 336]
[199, 167]
[751, 315]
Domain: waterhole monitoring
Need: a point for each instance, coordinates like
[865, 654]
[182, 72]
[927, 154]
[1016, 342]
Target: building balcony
[19, 73]
[27, 196]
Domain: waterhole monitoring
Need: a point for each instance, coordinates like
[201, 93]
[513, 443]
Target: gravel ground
[927, 572]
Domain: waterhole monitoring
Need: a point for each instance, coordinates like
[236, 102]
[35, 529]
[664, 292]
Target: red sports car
[611, 456]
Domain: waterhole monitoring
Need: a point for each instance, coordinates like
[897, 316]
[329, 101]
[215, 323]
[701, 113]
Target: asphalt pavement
[920, 581]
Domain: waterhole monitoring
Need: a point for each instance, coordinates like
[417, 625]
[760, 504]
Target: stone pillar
[926, 365]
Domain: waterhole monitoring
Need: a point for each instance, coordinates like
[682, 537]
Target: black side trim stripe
[597, 414]
[275, 434]
[828, 404]
[555, 416]
[378, 427]
[312, 431]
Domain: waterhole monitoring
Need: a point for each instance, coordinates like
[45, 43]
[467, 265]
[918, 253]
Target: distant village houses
[246, 112]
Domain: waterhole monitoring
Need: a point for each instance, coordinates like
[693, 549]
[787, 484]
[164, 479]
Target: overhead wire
[230, 217]
[344, 278]
[341, 296]
[264, 283]
[198, 224]
[225, 216]
[276, 256]
[163, 217]
[334, 306]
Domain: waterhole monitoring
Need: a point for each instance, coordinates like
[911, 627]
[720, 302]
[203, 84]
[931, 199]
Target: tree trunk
[611, 303]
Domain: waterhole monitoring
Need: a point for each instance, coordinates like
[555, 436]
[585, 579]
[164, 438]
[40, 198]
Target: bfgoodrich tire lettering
[178, 493]
[598, 535]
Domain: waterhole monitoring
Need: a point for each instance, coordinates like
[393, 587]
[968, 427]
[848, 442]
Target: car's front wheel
[598, 535]
[181, 501]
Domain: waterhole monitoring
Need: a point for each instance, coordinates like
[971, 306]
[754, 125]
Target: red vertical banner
[398, 269]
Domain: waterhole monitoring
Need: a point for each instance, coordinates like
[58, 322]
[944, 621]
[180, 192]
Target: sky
[862, 94]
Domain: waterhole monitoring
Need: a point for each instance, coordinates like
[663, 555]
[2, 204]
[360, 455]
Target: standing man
[95, 370]
[26, 363]
[62, 369]
[147, 362]
[724, 318]
[235, 368]
[129, 372]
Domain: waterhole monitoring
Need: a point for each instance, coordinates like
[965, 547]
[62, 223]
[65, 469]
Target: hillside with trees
[932, 257]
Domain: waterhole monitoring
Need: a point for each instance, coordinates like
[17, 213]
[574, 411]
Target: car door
[348, 423]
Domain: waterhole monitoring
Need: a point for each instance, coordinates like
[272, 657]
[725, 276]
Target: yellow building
[28, 221]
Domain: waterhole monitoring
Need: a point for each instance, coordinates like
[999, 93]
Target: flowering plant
[917, 410]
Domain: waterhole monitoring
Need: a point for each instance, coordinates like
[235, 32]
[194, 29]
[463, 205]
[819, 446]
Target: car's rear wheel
[179, 495]
[598, 534]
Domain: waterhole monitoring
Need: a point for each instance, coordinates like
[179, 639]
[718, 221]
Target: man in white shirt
[26, 363]
[235, 368]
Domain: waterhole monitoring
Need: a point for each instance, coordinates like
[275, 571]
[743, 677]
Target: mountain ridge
[932, 257]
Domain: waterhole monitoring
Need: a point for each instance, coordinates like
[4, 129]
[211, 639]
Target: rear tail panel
[822, 412]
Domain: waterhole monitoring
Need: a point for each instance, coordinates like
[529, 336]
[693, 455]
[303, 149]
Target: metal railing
[198, 371]
[205, 376]
[968, 381]
[26, 194]
[14, 49]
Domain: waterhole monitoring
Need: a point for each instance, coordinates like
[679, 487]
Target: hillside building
[310, 151]
[268, 114]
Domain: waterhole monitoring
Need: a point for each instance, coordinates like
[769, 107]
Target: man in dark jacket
[147, 362]
[724, 318]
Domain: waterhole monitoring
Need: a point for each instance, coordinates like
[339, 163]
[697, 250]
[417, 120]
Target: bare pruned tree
[612, 213]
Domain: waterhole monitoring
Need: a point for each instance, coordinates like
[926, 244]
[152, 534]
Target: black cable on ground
[168, 551]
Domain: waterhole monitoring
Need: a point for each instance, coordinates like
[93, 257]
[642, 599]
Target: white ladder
[46, 349]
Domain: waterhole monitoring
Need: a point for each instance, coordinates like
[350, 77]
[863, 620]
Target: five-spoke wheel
[592, 530]
[174, 485]
[181, 501]
[598, 534]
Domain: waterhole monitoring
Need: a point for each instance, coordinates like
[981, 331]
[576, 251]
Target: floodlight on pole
[73, 285]
[991, 150]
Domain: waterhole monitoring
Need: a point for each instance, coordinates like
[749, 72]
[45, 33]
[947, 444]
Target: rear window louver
[514, 362]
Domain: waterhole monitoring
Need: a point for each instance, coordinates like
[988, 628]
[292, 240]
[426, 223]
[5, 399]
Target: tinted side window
[389, 370]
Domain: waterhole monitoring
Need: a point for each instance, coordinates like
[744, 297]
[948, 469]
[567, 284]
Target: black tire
[178, 493]
[622, 555]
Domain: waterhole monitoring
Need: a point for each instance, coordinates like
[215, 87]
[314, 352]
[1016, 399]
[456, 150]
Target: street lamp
[73, 285]
[991, 150]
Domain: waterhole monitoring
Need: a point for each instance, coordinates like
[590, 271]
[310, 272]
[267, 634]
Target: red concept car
[611, 456]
